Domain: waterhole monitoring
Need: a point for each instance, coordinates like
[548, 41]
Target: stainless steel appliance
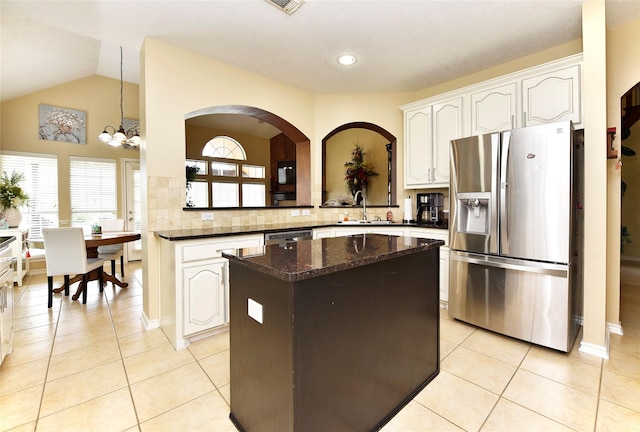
[284, 237]
[430, 209]
[516, 233]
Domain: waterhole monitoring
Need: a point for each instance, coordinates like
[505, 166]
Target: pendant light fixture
[119, 137]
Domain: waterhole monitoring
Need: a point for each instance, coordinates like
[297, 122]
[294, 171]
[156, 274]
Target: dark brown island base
[334, 334]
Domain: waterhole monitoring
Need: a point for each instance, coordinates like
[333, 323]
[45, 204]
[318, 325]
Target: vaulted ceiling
[401, 45]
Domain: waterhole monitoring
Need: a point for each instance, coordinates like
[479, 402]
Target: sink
[365, 222]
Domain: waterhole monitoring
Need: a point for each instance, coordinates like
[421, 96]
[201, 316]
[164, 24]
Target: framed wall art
[62, 124]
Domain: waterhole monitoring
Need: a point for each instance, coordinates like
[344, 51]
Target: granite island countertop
[311, 258]
[223, 231]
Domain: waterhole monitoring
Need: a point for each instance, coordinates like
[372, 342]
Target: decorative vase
[12, 216]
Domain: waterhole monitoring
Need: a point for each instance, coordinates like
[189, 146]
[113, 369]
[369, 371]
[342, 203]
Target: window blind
[40, 183]
[93, 190]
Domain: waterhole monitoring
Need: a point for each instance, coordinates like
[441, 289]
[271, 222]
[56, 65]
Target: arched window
[222, 181]
[224, 147]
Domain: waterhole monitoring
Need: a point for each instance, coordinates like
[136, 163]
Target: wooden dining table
[92, 242]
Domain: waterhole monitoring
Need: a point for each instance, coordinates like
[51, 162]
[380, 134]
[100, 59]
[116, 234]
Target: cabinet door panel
[494, 110]
[418, 162]
[203, 297]
[552, 97]
[447, 125]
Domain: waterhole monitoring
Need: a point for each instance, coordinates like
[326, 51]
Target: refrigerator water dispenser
[474, 213]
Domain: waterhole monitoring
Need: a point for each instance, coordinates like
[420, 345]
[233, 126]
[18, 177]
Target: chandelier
[127, 139]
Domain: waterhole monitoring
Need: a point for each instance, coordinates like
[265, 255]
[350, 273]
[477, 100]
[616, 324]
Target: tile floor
[92, 367]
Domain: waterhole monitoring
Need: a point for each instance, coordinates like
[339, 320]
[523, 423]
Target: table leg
[76, 278]
[106, 277]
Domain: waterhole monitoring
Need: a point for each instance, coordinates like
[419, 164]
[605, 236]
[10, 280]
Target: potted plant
[191, 172]
[12, 196]
[358, 171]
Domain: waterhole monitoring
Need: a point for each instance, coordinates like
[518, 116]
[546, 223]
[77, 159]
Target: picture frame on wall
[62, 124]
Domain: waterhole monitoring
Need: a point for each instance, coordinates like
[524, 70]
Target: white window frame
[42, 208]
[93, 190]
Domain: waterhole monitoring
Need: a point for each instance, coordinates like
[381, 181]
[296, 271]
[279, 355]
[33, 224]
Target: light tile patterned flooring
[92, 367]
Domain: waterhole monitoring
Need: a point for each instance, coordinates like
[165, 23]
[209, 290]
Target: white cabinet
[417, 149]
[6, 308]
[543, 94]
[552, 97]
[443, 235]
[204, 295]
[194, 285]
[19, 250]
[493, 109]
[428, 130]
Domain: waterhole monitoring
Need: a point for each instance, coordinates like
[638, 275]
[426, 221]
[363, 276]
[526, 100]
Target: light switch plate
[254, 310]
[207, 216]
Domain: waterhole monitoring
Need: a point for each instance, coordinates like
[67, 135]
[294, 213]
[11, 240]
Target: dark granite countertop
[311, 258]
[192, 234]
[5, 241]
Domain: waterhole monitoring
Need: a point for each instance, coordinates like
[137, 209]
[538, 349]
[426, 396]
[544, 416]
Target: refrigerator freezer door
[473, 217]
[526, 300]
[535, 208]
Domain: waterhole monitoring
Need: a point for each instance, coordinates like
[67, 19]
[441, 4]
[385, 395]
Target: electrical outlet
[306, 212]
[207, 216]
[295, 212]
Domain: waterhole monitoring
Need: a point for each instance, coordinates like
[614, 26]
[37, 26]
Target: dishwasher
[284, 237]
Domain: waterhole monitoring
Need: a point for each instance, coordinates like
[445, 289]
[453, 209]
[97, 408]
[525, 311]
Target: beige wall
[338, 151]
[99, 97]
[594, 337]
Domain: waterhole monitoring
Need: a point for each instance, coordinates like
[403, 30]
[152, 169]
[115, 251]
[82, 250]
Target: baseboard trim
[615, 328]
[149, 324]
[596, 350]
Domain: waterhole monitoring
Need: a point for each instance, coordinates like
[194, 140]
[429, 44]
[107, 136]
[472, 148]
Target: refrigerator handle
[549, 269]
[504, 175]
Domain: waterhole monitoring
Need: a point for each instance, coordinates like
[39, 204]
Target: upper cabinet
[552, 97]
[544, 94]
[428, 130]
[494, 109]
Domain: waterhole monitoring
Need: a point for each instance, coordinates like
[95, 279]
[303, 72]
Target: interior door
[132, 210]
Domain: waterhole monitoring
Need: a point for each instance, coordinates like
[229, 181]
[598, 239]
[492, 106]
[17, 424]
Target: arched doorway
[389, 142]
[300, 140]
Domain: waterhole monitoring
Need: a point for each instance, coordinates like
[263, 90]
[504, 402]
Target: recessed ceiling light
[347, 59]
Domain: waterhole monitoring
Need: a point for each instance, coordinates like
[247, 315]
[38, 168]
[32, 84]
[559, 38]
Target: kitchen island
[333, 334]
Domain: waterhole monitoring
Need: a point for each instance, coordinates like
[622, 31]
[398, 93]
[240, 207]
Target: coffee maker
[430, 209]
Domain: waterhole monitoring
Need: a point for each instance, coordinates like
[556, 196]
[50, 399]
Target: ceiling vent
[288, 6]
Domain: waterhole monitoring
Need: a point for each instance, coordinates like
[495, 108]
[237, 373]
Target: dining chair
[112, 252]
[66, 254]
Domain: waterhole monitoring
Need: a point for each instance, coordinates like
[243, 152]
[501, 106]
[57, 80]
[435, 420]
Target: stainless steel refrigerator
[516, 233]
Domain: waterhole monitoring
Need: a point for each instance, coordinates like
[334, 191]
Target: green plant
[11, 194]
[191, 172]
[358, 171]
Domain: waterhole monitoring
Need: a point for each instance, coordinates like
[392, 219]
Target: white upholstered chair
[112, 252]
[66, 254]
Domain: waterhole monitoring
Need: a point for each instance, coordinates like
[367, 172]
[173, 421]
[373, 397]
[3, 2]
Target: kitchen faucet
[364, 203]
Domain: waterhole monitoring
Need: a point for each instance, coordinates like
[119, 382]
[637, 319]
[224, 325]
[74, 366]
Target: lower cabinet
[194, 286]
[204, 295]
